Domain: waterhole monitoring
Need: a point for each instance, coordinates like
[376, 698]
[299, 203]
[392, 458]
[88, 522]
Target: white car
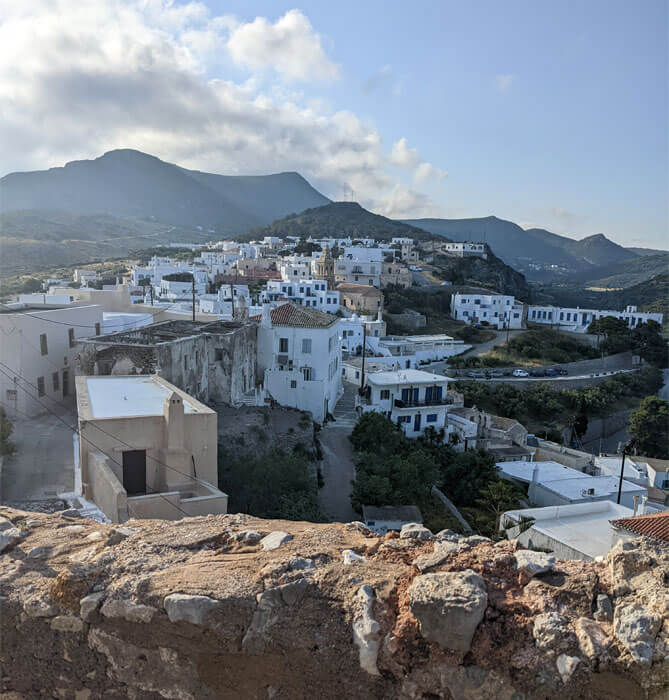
[520, 373]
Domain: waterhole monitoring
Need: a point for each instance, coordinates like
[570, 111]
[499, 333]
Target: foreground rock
[202, 609]
[449, 607]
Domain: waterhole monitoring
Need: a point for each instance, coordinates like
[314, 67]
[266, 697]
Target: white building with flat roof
[575, 531]
[498, 310]
[577, 320]
[552, 484]
[413, 399]
[38, 350]
[311, 293]
[146, 449]
[352, 331]
[465, 249]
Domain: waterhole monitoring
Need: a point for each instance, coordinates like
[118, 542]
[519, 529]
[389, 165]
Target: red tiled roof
[653, 525]
[299, 317]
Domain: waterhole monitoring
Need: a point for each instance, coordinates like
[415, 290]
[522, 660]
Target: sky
[550, 114]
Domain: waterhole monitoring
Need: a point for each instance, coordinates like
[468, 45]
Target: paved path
[338, 468]
[338, 471]
[43, 464]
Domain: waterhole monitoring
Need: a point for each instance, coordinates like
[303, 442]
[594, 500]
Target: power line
[90, 442]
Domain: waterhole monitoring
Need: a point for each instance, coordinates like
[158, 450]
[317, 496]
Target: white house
[415, 350]
[299, 356]
[306, 292]
[553, 484]
[413, 399]
[576, 531]
[84, 277]
[353, 330]
[499, 310]
[578, 320]
[353, 271]
[38, 349]
[465, 249]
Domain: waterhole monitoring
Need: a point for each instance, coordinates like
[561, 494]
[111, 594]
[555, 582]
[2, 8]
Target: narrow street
[338, 465]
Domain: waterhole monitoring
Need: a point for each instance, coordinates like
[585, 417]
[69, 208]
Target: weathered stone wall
[211, 367]
[237, 607]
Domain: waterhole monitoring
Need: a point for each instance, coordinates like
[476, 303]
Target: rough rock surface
[199, 613]
[415, 531]
[533, 563]
[449, 607]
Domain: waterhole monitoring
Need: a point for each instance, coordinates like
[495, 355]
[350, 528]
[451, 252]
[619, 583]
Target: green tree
[649, 425]
[276, 485]
[31, 285]
[499, 496]
[6, 428]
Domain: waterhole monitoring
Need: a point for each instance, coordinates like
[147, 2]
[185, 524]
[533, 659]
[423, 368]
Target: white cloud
[77, 79]
[289, 46]
[403, 156]
[426, 171]
[404, 203]
[504, 82]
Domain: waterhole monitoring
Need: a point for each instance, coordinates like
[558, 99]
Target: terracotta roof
[364, 289]
[299, 317]
[654, 525]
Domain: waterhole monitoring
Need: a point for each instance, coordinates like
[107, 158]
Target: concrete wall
[104, 488]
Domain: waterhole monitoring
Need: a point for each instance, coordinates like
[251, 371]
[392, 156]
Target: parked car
[494, 373]
[537, 372]
[561, 371]
[551, 372]
[476, 374]
[520, 373]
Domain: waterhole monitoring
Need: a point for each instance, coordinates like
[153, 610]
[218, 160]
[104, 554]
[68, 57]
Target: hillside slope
[34, 240]
[339, 220]
[630, 272]
[127, 183]
[526, 249]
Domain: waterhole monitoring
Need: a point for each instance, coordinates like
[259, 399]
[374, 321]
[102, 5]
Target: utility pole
[628, 446]
[193, 293]
[151, 292]
[232, 299]
[364, 343]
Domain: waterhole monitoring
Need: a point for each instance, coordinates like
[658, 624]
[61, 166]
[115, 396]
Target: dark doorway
[416, 422]
[134, 472]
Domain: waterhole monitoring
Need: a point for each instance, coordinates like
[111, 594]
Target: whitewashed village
[153, 377]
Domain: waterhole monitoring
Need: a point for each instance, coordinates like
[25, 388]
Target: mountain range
[130, 184]
[58, 211]
[536, 252]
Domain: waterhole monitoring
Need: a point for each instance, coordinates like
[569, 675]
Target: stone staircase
[344, 413]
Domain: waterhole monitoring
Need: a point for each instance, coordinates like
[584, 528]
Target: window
[218, 354]
[185, 362]
[306, 373]
[43, 346]
[293, 384]
[40, 386]
[431, 418]
[97, 329]
[385, 394]
[55, 377]
[306, 346]
[357, 374]
[283, 344]
[70, 336]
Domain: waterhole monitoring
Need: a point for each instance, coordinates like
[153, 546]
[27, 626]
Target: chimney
[643, 505]
[636, 505]
[173, 410]
[266, 321]
[535, 472]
